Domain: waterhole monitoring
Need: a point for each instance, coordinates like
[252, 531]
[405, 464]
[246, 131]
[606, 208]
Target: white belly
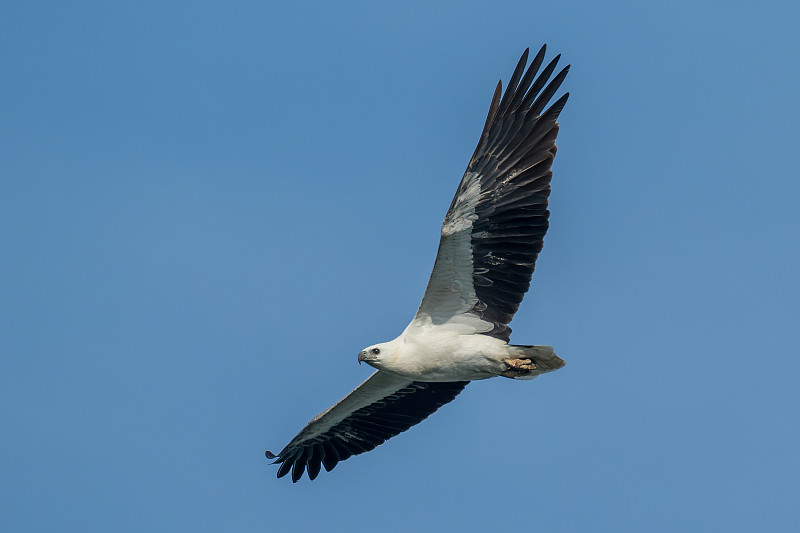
[441, 355]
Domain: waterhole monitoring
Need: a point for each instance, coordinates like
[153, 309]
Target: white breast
[443, 353]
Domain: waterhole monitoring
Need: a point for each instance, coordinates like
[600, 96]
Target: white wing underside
[450, 295]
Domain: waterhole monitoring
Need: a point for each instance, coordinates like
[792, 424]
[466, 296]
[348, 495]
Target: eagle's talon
[520, 364]
[517, 368]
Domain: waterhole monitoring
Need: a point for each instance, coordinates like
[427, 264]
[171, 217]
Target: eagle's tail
[543, 358]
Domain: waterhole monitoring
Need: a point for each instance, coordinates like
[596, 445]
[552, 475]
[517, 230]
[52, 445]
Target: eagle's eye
[375, 351]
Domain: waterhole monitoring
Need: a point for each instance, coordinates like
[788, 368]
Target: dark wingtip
[297, 471]
[558, 105]
[313, 470]
[270, 455]
[284, 469]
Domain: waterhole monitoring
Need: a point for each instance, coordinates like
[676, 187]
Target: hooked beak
[365, 357]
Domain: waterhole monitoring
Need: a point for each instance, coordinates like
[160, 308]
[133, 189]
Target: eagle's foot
[518, 367]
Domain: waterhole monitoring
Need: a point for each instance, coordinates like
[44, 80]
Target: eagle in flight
[490, 239]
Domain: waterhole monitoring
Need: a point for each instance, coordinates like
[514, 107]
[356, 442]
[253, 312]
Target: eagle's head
[373, 355]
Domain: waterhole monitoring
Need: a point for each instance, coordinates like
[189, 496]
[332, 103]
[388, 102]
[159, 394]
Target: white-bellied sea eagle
[490, 239]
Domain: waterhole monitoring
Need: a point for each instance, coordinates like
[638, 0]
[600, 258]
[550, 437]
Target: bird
[490, 240]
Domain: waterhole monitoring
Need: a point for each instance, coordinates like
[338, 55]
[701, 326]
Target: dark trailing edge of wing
[366, 428]
[513, 159]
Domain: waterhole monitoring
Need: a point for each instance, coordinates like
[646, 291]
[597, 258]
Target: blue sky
[207, 209]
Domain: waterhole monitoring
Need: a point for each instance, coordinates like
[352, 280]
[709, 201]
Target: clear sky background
[207, 209]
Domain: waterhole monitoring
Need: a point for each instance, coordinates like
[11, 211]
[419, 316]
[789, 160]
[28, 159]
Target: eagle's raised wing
[377, 410]
[494, 229]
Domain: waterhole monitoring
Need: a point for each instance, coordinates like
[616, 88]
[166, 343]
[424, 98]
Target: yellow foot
[518, 367]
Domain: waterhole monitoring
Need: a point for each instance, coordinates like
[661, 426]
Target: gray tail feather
[544, 357]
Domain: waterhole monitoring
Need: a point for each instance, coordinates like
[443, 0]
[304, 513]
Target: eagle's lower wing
[377, 410]
[494, 229]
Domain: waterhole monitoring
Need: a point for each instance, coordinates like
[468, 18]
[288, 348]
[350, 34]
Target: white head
[378, 354]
